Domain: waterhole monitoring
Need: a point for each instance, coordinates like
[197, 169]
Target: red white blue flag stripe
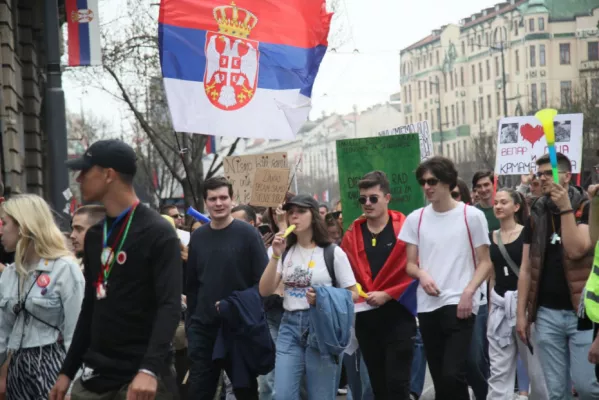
[244, 68]
[84, 32]
[211, 145]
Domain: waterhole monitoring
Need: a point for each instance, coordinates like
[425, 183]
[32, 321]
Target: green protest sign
[398, 156]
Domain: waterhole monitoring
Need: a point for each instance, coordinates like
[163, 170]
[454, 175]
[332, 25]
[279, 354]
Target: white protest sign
[521, 141]
[423, 131]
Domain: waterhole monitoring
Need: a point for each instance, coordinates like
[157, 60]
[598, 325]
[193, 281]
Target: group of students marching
[493, 290]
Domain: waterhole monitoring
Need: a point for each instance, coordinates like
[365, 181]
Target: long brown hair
[320, 235]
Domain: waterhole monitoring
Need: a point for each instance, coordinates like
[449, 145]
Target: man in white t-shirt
[448, 251]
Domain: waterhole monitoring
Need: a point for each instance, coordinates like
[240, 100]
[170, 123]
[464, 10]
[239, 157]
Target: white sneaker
[342, 391]
[520, 397]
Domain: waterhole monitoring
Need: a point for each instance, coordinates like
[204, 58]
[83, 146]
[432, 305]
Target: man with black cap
[132, 301]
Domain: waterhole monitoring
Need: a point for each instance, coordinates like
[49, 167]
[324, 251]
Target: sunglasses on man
[372, 198]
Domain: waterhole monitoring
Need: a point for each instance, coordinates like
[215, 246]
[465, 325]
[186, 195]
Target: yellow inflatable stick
[360, 291]
[289, 230]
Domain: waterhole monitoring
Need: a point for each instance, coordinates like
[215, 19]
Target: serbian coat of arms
[232, 60]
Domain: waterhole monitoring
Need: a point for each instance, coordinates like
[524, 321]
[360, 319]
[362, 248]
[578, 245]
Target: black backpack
[329, 260]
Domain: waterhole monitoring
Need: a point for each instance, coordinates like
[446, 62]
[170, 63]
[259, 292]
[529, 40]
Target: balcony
[589, 65]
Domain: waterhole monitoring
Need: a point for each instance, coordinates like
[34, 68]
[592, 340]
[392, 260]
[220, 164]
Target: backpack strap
[329, 260]
[469, 236]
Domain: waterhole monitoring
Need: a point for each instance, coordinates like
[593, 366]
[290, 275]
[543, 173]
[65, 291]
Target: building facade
[510, 59]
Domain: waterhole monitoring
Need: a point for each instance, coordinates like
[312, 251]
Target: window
[543, 95]
[498, 101]
[517, 56]
[489, 105]
[410, 92]
[593, 51]
[533, 56]
[497, 66]
[481, 108]
[451, 80]
[405, 96]
[445, 82]
[446, 115]
[516, 23]
[565, 93]
[471, 42]
[454, 152]
[419, 116]
[455, 78]
[542, 57]
[474, 111]
[480, 71]
[488, 69]
[425, 90]
[487, 39]
[473, 74]
[564, 53]
[531, 25]
[541, 24]
[425, 116]
[457, 113]
[433, 121]
[463, 48]
[437, 57]
[419, 90]
[452, 115]
[478, 40]
[464, 112]
[459, 153]
[533, 97]
[465, 151]
[595, 90]
[462, 76]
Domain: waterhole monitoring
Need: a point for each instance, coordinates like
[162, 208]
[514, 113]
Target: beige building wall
[550, 50]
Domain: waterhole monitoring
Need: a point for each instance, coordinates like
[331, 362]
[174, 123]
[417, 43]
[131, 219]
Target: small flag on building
[84, 32]
[211, 145]
[242, 68]
[325, 196]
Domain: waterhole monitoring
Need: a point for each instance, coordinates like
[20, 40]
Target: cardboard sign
[269, 187]
[240, 171]
[423, 131]
[521, 141]
[398, 156]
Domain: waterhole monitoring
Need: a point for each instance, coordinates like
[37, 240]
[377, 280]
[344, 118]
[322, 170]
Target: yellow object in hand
[360, 291]
[289, 230]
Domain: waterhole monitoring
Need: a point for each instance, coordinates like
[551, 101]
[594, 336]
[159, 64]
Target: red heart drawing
[284, 155]
[531, 134]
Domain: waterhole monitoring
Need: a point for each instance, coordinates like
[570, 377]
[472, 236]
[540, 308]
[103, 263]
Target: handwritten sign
[521, 141]
[397, 155]
[423, 131]
[240, 171]
[270, 186]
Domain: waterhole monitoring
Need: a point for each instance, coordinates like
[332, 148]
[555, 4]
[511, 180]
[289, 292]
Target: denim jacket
[53, 294]
[331, 320]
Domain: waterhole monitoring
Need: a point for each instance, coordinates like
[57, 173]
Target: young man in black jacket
[132, 300]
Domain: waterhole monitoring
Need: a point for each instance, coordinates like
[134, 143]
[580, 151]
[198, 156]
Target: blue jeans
[522, 374]
[296, 359]
[563, 351]
[266, 383]
[478, 360]
[418, 365]
[357, 377]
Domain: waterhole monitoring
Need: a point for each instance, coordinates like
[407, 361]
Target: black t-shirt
[553, 291]
[133, 326]
[220, 262]
[378, 255]
[505, 278]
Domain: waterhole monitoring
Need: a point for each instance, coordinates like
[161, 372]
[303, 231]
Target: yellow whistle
[289, 230]
[360, 291]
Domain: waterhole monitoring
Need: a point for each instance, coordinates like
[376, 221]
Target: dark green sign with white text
[398, 156]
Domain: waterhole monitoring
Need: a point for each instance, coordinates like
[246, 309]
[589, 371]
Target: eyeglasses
[373, 199]
[455, 195]
[429, 181]
[547, 174]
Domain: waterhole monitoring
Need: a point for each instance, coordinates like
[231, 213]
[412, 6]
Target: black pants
[447, 344]
[204, 373]
[386, 338]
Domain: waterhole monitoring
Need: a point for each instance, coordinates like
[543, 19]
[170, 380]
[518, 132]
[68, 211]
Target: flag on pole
[211, 145]
[243, 68]
[84, 32]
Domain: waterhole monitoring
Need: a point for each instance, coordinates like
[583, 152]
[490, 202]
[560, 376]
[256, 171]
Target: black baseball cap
[301, 200]
[110, 153]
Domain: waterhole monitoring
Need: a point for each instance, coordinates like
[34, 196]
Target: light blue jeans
[357, 377]
[563, 351]
[296, 359]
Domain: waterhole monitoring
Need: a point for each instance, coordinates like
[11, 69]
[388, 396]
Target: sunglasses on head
[429, 181]
[373, 199]
[455, 195]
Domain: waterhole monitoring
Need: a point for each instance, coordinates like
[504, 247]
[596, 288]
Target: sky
[363, 71]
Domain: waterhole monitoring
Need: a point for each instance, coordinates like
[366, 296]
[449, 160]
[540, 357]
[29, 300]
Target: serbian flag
[243, 68]
[211, 145]
[84, 32]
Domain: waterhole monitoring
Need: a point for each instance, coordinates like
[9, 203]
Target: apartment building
[510, 59]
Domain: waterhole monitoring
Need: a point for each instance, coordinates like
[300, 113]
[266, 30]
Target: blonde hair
[170, 220]
[36, 225]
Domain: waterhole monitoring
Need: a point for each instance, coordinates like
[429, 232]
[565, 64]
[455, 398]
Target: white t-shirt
[445, 252]
[298, 277]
